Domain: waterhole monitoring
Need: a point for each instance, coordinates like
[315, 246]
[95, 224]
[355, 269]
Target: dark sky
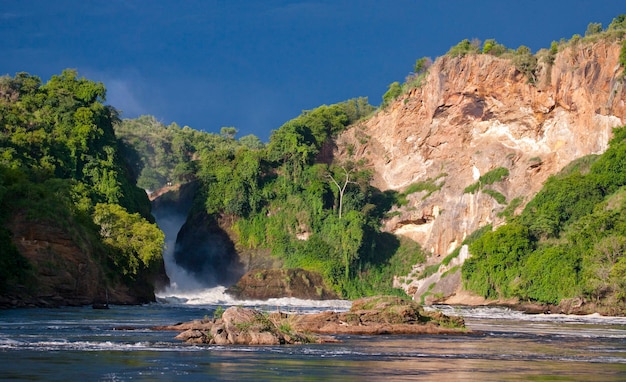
[256, 64]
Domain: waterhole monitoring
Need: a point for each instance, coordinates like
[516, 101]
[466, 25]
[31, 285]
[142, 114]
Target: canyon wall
[477, 113]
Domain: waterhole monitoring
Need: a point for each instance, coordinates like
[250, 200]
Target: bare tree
[341, 188]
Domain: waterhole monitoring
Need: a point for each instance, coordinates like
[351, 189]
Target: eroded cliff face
[477, 113]
[64, 270]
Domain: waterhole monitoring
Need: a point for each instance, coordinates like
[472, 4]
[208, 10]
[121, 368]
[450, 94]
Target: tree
[525, 62]
[464, 47]
[251, 141]
[618, 23]
[422, 64]
[496, 261]
[492, 47]
[138, 243]
[341, 188]
[593, 28]
[228, 133]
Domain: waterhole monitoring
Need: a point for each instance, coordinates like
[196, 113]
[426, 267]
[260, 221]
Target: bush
[526, 63]
[551, 274]
[510, 209]
[492, 47]
[493, 270]
[593, 28]
[618, 23]
[490, 177]
[464, 47]
[394, 91]
[493, 176]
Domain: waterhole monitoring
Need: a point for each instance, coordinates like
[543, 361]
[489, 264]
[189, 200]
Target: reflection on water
[83, 344]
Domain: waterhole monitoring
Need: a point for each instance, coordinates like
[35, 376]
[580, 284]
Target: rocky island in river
[368, 316]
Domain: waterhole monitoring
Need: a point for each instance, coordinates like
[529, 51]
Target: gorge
[364, 199]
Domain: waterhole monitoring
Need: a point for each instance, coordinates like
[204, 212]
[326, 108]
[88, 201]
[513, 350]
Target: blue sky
[256, 64]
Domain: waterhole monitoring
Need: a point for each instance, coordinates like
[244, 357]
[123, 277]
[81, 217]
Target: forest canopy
[59, 159]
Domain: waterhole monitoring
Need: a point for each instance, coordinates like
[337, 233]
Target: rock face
[263, 284]
[380, 315]
[370, 316]
[477, 113]
[64, 272]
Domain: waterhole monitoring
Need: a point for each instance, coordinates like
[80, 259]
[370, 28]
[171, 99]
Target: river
[68, 344]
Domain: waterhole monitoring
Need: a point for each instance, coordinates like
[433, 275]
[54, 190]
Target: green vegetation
[464, 47]
[527, 63]
[59, 160]
[494, 48]
[136, 241]
[394, 91]
[159, 155]
[428, 185]
[491, 177]
[568, 242]
[508, 212]
[412, 81]
[312, 215]
[66, 159]
[501, 199]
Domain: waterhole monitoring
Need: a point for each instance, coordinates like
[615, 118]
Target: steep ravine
[477, 113]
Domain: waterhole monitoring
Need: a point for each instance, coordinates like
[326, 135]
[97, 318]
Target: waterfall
[180, 280]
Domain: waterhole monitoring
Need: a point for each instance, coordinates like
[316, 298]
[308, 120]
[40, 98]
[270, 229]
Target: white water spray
[185, 289]
[180, 280]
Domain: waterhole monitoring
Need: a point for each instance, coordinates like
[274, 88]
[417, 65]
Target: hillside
[74, 229]
[488, 154]
[477, 115]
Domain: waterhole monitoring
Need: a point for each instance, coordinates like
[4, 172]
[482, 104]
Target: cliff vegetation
[74, 227]
[485, 136]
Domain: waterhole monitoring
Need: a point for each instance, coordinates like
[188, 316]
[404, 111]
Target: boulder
[263, 284]
[370, 316]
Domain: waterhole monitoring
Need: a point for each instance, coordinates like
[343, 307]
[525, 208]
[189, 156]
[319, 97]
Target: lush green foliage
[59, 158]
[568, 242]
[160, 155]
[509, 211]
[308, 213]
[494, 268]
[136, 241]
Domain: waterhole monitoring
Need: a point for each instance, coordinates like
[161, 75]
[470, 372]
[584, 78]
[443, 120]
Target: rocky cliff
[65, 270]
[477, 113]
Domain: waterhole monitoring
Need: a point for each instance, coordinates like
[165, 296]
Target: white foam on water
[503, 313]
[216, 296]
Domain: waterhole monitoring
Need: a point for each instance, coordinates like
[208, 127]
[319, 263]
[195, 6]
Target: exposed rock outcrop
[263, 284]
[64, 272]
[370, 316]
[477, 113]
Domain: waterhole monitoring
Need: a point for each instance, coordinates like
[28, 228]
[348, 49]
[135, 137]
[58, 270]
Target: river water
[71, 344]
